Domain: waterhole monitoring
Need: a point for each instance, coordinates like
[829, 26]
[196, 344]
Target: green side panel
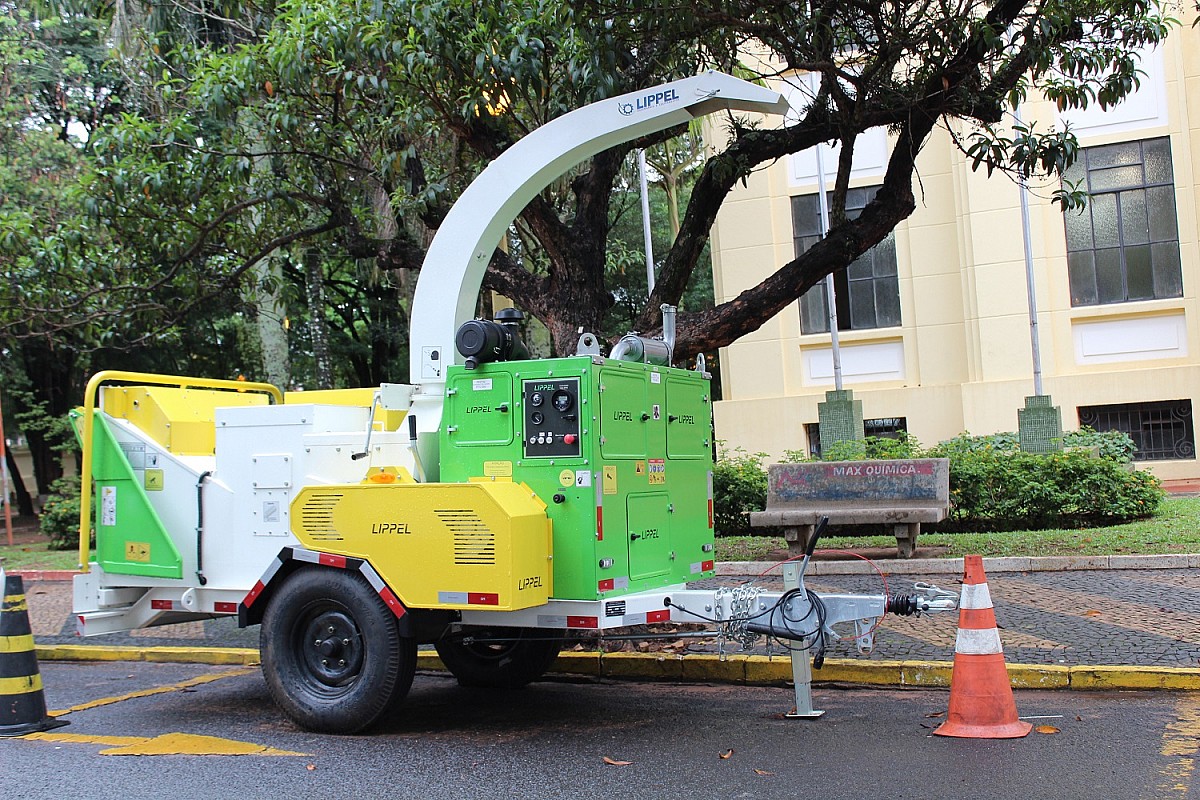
[130, 537]
[628, 495]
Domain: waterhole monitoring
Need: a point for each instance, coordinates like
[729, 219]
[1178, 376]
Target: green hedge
[994, 486]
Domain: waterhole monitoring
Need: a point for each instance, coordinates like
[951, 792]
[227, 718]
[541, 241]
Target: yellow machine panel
[475, 546]
[181, 420]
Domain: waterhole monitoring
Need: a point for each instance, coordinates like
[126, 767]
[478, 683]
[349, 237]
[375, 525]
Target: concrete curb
[954, 566]
[711, 668]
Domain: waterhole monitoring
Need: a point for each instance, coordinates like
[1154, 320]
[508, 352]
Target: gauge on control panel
[551, 417]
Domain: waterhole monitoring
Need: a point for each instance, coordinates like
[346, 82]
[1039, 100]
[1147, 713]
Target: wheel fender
[290, 559]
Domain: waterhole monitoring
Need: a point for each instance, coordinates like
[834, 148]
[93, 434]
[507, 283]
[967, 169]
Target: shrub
[995, 486]
[60, 514]
[739, 487]
[875, 447]
[1113, 445]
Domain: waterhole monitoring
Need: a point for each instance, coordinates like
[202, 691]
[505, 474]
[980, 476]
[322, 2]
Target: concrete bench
[902, 493]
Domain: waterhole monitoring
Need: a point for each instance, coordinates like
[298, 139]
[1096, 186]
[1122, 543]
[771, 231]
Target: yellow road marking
[169, 744]
[1181, 742]
[83, 738]
[107, 701]
[186, 744]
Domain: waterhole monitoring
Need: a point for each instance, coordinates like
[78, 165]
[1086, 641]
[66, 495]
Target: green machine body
[620, 452]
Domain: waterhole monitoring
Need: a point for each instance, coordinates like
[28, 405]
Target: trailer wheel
[500, 658]
[332, 654]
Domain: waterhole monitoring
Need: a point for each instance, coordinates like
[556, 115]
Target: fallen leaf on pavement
[935, 715]
[762, 772]
[1091, 612]
[1046, 729]
[612, 762]
[311, 767]
[1078, 718]
[726, 753]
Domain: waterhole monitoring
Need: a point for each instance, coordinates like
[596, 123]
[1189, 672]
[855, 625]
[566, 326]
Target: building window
[884, 428]
[1125, 245]
[867, 293]
[1162, 431]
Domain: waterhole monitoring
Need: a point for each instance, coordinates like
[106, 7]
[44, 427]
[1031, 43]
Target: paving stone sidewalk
[1124, 617]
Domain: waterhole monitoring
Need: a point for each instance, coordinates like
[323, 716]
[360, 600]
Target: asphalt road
[551, 740]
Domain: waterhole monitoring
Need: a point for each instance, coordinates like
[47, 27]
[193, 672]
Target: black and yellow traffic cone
[22, 702]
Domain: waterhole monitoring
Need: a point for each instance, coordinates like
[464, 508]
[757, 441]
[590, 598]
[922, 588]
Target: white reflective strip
[977, 643]
[300, 554]
[710, 486]
[271, 570]
[975, 595]
[372, 577]
[453, 598]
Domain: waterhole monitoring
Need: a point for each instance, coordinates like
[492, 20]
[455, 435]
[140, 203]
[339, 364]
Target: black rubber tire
[517, 657]
[332, 654]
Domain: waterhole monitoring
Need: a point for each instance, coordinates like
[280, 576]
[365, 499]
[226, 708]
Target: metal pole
[1030, 289]
[646, 221]
[4, 483]
[830, 301]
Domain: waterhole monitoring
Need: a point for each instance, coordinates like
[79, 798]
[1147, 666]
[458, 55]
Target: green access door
[479, 409]
[649, 516]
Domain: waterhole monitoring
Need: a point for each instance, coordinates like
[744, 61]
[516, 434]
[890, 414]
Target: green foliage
[739, 487]
[60, 514]
[875, 447]
[1113, 445]
[996, 486]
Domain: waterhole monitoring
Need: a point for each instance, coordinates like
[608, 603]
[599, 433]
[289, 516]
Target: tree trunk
[270, 320]
[314, 288]
[24, 501]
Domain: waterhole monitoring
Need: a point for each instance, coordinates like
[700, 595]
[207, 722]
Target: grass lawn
[1174, 529]
[35, 555]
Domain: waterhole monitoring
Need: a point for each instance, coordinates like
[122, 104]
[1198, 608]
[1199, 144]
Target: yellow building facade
[934, 329]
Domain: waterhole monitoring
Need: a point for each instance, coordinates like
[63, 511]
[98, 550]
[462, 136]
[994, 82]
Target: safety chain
[742, 603]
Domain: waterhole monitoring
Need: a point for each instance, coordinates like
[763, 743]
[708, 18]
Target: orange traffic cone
[22, 703]
[981, 698]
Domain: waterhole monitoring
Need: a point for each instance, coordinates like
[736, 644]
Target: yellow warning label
[658, 471]
[154, 480]
[610, 480]
[497, 469]
[639, 468]
[137, 551]
[566, 478]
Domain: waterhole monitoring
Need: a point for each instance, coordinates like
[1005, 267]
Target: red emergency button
[570, 438]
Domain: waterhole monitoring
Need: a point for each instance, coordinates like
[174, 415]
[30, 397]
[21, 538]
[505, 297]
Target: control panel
[551, 417]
